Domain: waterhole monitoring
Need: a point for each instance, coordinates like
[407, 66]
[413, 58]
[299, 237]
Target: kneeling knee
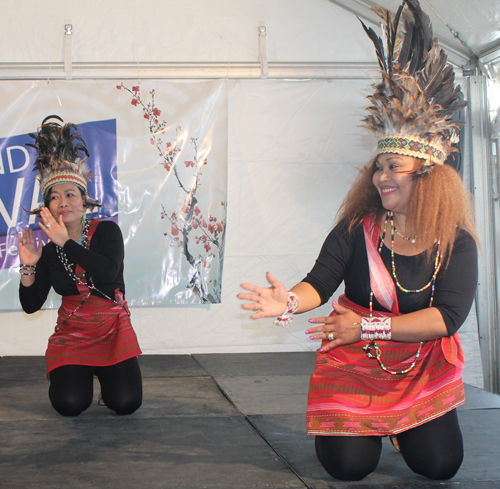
[69, 407]
[440, 472]
[351, 474]
[124, 407]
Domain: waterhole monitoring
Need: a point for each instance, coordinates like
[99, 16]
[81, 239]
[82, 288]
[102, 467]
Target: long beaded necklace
[373, 346]
[437, 264]
[83, 240]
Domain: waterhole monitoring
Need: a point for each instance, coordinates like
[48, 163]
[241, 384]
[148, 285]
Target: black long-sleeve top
[343, 257]
[103, 262]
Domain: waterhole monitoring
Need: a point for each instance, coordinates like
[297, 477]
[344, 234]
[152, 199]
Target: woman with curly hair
[390, 362]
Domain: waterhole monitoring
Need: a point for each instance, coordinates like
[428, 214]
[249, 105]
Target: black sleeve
[334, 259]
[32, 298]
[456, 285]
[105, 265]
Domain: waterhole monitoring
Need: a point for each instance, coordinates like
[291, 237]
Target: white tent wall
[293, 147]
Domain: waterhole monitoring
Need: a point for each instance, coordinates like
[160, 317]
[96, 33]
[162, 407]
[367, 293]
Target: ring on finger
[48, 225]
[330, 336]
[258, 308]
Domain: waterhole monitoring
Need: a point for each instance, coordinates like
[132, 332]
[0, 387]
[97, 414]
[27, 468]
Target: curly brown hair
[440, 206]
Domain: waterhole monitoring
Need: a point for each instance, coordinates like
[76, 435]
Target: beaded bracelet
[27, 269]
[291, 306]
[375, 328]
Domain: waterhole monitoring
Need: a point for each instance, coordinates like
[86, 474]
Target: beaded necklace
[83, 240]
[411, 239]
[373, 346]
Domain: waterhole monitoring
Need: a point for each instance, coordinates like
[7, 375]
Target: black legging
[72, 387]
[434, 449]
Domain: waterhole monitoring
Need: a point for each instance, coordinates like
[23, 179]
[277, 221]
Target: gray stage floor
[207, 421]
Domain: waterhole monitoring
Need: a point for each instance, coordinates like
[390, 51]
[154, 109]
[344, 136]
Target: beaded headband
[412, 106]
[411, 146]
[64, 177]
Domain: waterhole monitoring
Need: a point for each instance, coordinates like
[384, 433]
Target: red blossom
[170, 149]
[195, 225]
[166, 166]
[204, 223]
[146, 116]
[152, 142]
[174, 215]
[219, 227]
[210, 228]
[185, 208]
[156, 112]
[196, 210]
[134, 102]
[119, 87]
[174, 230]
[136, 89]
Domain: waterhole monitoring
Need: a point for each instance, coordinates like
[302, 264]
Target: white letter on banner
[15, 205]
[26, 158]
[2, 171]
[34, 201]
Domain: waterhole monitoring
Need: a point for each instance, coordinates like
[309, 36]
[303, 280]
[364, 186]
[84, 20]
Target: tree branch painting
[197, 231]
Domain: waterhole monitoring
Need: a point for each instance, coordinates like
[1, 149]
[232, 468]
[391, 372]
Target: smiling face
[394, 180]
[66, 199]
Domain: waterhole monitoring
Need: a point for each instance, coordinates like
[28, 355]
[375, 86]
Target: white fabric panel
[191, 30]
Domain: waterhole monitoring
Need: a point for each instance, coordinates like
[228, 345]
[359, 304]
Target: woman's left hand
[344, 325]
[55, 230]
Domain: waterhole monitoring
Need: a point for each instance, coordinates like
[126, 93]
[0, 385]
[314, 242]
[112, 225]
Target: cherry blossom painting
[190, 221]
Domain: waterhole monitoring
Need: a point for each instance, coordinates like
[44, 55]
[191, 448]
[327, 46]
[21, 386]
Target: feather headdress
[411, 108]
[59, 159]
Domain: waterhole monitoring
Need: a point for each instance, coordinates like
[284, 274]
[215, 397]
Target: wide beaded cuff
[375, 328]
[291, 306]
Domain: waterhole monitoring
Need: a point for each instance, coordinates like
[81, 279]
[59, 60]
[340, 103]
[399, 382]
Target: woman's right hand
[29, 253]
[265, 301]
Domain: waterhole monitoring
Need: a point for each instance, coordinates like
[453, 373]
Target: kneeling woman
[84, 263]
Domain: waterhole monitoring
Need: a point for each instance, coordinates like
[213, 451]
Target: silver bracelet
[291, 306]
[376, 328]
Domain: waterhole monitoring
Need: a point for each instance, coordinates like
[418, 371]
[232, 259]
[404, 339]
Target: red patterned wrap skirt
[99, 333]
[350, 394]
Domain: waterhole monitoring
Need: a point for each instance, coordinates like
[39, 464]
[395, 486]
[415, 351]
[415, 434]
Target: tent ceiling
[476, 23]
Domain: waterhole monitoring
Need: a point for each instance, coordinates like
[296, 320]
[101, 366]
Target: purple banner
[19, 189]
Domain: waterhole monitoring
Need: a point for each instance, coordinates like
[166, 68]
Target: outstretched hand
[29, 252]
[265, 301]
[344, 325]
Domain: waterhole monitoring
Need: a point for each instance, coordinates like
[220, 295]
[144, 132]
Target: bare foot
[100, 402]
[395, 443]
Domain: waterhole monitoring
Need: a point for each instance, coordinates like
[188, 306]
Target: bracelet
[376, 328]
[291, 306]
[27, 269]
